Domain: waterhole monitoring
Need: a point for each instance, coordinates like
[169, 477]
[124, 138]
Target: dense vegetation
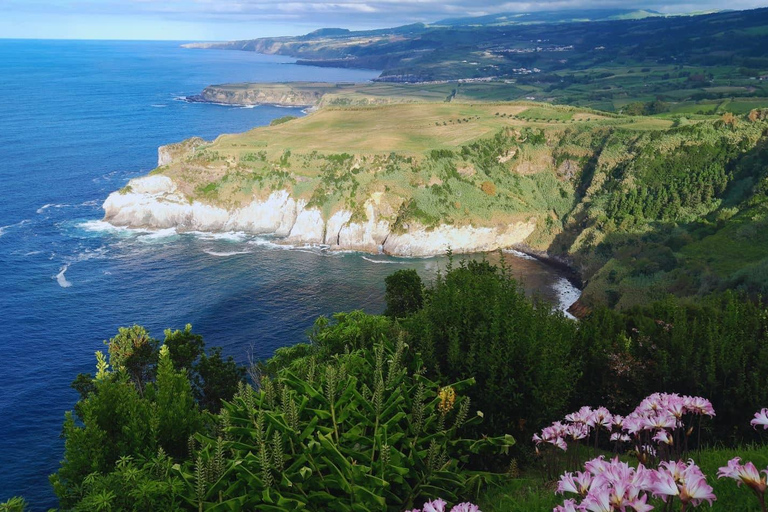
[378, 412]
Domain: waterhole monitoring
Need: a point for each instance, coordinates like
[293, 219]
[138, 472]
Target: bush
[359, 431]
[477, 322]
[403, 293]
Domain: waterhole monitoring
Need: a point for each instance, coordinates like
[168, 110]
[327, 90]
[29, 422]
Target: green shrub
[363, 430]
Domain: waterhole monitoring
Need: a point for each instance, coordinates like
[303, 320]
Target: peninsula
[648, 203]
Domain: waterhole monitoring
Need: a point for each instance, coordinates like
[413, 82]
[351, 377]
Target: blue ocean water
[77, 120]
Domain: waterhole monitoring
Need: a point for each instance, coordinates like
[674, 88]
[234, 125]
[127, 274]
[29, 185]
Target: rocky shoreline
[155, 202]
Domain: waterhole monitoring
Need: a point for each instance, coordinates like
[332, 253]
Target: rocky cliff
[288, 95]
[156, 202]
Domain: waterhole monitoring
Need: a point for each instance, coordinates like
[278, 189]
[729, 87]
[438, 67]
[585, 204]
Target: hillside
[649, 204]
[601, 62]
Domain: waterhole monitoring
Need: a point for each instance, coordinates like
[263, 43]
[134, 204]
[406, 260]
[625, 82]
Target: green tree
[136, 352]
[404, 293]
[217, 379]
[177, 411]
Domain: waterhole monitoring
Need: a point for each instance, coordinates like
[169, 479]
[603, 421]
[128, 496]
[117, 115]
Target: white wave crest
[51, 205]
[519, 254]
[226, 254]
[230, 236]
[100, 226]
[390, 262]
[155, 105]
[4, 229]
[62, 279]
[567, 294]
[159, 235]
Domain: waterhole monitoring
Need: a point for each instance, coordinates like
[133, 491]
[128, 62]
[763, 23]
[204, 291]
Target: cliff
[639, 206]
[289, 95]
[156, 202]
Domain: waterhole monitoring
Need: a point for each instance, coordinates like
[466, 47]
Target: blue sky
[246, 19]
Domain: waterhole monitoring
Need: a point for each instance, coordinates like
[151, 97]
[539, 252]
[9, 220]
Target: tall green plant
[364, 430]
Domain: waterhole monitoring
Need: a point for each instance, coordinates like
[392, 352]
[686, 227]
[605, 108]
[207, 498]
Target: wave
[567, 294]
[61, 278]
[159, 235]
[4, 229]
[390, 262]
[230, 236]
[226, 254]
[52, 205]
[520, 254]
[154, 105]
[100, 226]
[263, 242]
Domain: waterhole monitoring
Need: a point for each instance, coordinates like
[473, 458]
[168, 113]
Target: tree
[404, 293]
[177, 412]
[134, 351]
[185, 347]
[217, 379]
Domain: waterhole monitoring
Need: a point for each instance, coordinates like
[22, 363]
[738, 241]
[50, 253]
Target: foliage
[477, 322]
[404, 293]
[360, 429]
[281, 120]
[715, 349]
[134, 410]
[15, 504]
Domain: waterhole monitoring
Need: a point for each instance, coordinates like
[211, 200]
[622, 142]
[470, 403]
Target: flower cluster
[608, 486]
[438, 505]
[658, 419]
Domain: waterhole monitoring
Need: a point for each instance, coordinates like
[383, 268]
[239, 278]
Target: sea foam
[62, 279]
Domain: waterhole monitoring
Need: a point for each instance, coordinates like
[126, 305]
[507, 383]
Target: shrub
[362, 430]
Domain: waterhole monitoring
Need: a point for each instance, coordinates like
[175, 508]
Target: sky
[221, 20]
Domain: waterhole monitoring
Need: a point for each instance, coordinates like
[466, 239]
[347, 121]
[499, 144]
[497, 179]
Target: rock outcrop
[155, 202]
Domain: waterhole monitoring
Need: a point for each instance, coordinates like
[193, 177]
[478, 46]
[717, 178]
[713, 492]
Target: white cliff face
[419, 242]
[309, 227]
[155, 202]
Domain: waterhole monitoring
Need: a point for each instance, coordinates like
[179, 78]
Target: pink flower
[567, 506]
[747, 474]
[465, 507]
[599, 501]
[683, 480]
[761, 418]
[576, 484]
[699, 405]
[696, 489]
[662, 436]
[437, 505]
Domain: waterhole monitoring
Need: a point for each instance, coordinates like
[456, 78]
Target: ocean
[78, 119]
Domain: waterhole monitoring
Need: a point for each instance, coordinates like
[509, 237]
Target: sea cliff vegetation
[439, 398]
[658, 205]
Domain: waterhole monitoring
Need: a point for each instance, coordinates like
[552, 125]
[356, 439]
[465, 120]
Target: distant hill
[521, 18]
[603, 59]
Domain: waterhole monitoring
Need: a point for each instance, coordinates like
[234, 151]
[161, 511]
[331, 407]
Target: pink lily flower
[437, 505]
[466, 507]
[747, 474]
[567, 506]
[761, 418]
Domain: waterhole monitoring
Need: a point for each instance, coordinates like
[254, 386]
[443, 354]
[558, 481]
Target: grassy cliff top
[413, 129]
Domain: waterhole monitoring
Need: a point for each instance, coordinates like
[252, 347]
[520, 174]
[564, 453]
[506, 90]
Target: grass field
[413, 129]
